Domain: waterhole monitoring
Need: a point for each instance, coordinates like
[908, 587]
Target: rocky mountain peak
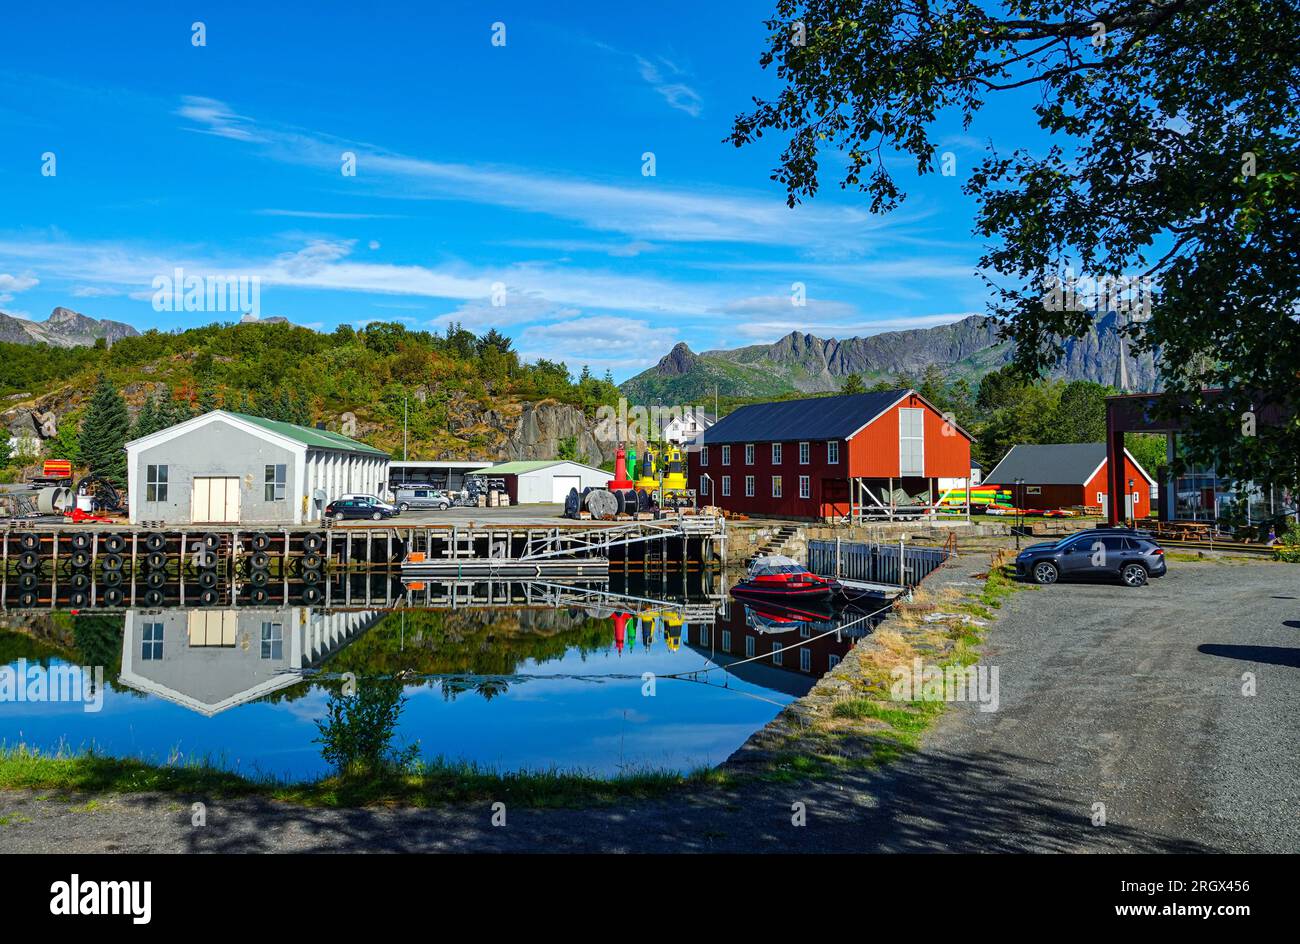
[680, 360]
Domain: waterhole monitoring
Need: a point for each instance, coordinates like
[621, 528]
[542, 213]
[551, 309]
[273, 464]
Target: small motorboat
[778, 578]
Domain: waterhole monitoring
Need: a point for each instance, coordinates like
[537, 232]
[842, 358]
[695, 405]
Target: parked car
[368, 499]
[1132, 556]
[408, 498]
[357, 508]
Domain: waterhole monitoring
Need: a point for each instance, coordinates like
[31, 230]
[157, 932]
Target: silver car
[407, 498]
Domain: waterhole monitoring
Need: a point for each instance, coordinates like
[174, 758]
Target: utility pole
[405, 402]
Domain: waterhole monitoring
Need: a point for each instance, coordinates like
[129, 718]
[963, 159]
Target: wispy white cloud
[644, 209]
[215, 117]
[675, 92]
[600, 341]
[325, 215]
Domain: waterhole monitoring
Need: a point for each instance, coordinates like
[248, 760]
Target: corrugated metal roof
[812, 418]
[522, 466]
[309, 435]
[1052, 464]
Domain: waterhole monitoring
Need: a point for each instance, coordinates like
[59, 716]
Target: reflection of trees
[469, 642]
[356, 734]
[99, 641]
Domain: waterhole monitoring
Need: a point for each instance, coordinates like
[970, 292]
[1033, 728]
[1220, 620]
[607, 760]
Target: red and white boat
[779, 578]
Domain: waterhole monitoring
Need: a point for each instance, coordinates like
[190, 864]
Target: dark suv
[1130, 555]
[357, 508]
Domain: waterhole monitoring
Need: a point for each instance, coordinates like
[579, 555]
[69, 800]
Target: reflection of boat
[769, 617]
[783, 579]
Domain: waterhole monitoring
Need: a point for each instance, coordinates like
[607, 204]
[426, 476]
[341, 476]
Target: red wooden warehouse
[865, 455]
[1064, 475]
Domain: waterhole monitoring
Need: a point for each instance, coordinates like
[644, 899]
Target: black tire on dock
[78, 598]
[110, 561]
[312, 541]
[111, 578]
[208, 579]
[114, 543]
[156, 560]
[311, 561]
[156, 580]
[259, 578]
[80, 542]
[153, 597]
[310, 594]
[29, 560]
[113, 596]
[29, 542]
[209, 597]
[260, 560]
[155, 541]
[28, 581]
[260, 541]
[27, 599]
[204, 558]
[80, 559]
[212, 540]
[79, 581]
[259, 595]
[310, 577]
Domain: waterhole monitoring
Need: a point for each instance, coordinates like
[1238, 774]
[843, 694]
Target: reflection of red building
[829, 456]
[739, 634]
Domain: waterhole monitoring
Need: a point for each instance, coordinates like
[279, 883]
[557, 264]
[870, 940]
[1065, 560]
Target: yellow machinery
[673, 630]
[649, 479]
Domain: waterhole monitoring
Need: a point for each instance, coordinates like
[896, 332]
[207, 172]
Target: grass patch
[425, 784]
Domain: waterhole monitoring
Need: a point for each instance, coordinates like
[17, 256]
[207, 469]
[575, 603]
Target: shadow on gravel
[1268, 655]
[926, 802]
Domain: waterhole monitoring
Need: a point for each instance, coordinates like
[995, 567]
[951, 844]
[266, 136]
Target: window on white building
[275, 479]
[155, 483]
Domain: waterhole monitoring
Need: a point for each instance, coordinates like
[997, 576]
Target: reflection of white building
[209, 660]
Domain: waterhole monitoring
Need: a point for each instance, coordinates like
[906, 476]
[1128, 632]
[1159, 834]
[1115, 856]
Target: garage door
[216, 500]
[561, 484]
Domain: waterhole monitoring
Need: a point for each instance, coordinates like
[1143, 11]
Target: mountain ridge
[63, 328]
[804, 363]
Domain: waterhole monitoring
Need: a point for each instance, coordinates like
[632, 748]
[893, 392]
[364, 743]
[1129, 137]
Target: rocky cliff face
[63, 328]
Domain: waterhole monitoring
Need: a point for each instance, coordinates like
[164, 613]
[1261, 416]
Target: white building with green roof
[229, 468]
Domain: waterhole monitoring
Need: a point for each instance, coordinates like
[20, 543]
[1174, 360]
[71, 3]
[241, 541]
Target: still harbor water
[604, 678]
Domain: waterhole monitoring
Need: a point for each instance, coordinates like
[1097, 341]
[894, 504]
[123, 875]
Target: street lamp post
[1132, 504]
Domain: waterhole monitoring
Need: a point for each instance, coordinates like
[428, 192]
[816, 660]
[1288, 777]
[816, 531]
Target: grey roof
[1055, 464]
[810, 418]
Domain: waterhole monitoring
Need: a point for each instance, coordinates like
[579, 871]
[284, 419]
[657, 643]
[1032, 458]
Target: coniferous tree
[146, 421]
[207, 398]
[104, 431]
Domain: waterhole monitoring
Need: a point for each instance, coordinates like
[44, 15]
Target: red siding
[874, 453]
[1063, 496]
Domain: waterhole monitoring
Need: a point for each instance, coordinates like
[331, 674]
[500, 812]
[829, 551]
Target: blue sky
[475, 165]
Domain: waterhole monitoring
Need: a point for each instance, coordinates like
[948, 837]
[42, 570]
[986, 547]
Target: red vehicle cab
[783, 578]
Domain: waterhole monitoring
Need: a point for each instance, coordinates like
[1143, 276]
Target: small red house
[1063, 475]
[860, 455]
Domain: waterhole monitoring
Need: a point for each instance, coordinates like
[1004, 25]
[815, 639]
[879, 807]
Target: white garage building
[529, 482]
[230, 468]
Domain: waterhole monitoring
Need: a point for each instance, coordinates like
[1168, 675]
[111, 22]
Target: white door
[216, 500]
[560, 485]
[911, 442]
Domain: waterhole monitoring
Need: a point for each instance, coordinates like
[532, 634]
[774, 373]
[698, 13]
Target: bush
[1288, 546]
